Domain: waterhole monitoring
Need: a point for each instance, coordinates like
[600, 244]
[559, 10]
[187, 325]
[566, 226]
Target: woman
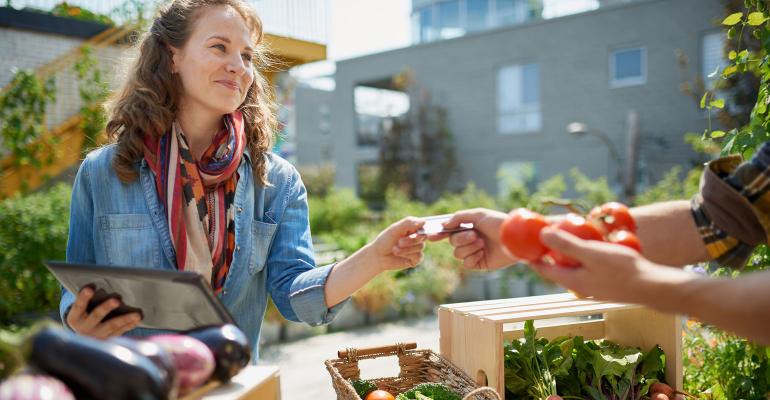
[190, 183]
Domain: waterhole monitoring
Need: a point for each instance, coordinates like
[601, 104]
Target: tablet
[166, 299]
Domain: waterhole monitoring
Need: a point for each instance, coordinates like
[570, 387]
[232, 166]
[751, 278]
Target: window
[476, 14]
[449, 19]
[518, 99]
[515, 176]
[712, 57]
[510, 12]
[627, 67]
[426, 24]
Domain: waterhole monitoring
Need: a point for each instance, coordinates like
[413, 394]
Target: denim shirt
[113, 223]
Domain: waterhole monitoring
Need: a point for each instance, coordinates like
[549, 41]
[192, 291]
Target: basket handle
[352, 352]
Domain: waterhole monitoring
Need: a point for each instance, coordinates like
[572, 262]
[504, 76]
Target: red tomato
[579, 227]
[520, 234]
[612, 216]
[626, 238]
[379, 395]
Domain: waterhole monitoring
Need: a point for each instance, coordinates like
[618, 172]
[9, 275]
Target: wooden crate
[472, 334]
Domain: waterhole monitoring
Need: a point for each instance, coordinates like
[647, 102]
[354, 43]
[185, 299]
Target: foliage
[318, 179]
[65, 9]
[340, 211]
[34, 230]
[671, 187]
[429, 391]
[22, 118]
[93, 91]
[536, 368]
[723, 366]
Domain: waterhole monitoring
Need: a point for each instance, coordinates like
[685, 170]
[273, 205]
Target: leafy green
[574, 368]
[363, 387]
[429, 391]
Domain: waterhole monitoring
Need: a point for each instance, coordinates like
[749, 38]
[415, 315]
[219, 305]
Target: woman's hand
[399, 246]
[90, 324]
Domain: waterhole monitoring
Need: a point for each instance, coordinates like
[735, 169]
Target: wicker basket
[416, 366]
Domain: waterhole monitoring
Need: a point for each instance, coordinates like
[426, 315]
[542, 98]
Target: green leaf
[717, 103]
[731, 33]
[756, 18]
[703, 100]
[731, 55]
[717, 134]
[729, 71]
[732, 19]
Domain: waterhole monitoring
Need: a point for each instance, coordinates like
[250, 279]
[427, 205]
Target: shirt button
[237, 248]
[240, 210]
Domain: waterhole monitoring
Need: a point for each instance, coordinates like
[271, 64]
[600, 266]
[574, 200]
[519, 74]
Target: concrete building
[512, 78]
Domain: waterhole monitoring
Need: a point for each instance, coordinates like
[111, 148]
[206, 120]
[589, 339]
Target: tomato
[579, 227]
[612, 216]
[520, 234]
[626, 238]
[379, 395]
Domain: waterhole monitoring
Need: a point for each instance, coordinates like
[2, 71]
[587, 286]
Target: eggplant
[193, 361]
[34, 387]
[156, 353]
[230, 347]
[96, 369]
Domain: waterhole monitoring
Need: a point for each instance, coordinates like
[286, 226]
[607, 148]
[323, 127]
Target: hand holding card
[435, 225]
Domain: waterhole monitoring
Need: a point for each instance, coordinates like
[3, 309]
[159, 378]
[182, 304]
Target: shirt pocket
[263, 234]
[130, 240]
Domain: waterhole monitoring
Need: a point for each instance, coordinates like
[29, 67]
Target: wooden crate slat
[480, 305]
[587, 329]
[532, 307]
[562, 312]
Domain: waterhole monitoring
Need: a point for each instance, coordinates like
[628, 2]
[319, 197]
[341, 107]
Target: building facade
[511, 89]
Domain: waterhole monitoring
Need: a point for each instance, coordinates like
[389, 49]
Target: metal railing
[300, 19]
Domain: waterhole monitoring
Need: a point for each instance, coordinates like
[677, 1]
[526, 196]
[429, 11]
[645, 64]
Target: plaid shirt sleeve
[732, 209]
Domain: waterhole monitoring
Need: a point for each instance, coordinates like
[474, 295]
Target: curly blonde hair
[149, 99]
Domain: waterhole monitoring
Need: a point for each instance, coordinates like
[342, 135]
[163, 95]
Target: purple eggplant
[193, 361]
[156, 353]
[230, 347]
[34, 387]
[96, 369]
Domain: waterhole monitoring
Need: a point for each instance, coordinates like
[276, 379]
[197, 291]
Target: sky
[360, 27]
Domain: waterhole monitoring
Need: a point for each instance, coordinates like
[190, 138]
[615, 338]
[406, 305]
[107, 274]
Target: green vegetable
[536, 368]
[363, 387]
[429, 391]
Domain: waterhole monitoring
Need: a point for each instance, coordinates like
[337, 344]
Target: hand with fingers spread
[479, 248]
[92, 324]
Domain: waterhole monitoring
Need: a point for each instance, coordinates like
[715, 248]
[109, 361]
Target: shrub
[34, 230]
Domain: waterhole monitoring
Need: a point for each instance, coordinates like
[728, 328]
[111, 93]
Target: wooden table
[253, 382]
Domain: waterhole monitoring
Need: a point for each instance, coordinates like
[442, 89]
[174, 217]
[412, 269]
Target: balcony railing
[299, 19]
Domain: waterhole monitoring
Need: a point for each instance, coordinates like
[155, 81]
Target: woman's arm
[396, 247]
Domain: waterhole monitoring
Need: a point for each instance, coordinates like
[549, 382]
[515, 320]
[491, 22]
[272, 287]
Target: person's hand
[607, 272]
[399, 246]
[479, 248]
[90, 324]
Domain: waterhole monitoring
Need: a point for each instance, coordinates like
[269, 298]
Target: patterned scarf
[198, 196]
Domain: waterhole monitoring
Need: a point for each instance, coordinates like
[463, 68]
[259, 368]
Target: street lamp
[579, 129]
[632, 150]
